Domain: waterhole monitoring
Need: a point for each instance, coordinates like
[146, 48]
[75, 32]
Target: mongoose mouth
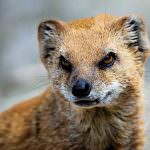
[91, 102]
[86, 103]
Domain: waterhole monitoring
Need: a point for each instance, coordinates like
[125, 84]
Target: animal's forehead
[88, 39]
[85, 43]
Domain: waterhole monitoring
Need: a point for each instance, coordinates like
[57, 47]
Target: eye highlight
[65, 64]
[107, 61]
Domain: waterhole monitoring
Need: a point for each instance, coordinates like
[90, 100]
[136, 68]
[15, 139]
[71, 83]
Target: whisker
[40, 86]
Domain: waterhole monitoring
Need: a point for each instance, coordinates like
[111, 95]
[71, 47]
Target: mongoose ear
[49, 37]
[134, 32]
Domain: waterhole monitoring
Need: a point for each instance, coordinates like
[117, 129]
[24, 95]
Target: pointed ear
[134, 33]
[49, 37]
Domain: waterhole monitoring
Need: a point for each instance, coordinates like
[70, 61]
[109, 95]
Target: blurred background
[21, 73]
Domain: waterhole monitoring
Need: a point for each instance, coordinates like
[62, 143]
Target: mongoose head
[93, 61]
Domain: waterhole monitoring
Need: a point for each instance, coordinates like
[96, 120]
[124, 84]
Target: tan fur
[51, 122]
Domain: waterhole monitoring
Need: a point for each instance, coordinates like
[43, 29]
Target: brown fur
[51, 122]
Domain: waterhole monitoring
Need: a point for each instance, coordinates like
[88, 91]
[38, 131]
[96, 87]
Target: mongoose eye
[107, 61]
[65, 64]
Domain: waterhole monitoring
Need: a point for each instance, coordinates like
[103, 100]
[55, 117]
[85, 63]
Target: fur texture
[52, 121]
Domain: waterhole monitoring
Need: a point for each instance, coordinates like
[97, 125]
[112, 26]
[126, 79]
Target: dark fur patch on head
[49, 37]
[47, 51]
[48, 28]
[136, 36]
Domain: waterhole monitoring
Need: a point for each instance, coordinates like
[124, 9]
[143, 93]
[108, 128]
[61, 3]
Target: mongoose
[95, 96]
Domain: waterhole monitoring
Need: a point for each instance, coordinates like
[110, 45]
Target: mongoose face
[93, 61]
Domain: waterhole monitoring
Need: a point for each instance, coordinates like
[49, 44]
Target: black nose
[81, 88]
